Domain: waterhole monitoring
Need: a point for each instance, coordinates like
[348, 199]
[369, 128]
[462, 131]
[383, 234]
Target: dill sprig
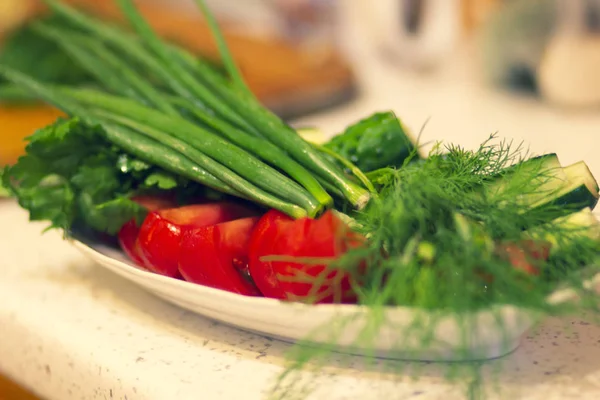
[436, 234]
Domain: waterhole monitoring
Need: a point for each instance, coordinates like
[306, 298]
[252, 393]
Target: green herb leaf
[375, 142]
[4, 191]
[72, 174]
[438, 205]
[161, 180]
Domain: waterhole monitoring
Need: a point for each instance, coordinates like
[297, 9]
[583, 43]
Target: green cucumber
[572, 188]
[579, 192]
[570, 227]
[575, 195]
[547, 166]
[581, 169]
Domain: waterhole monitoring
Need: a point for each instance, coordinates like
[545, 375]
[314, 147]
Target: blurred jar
[417, 33]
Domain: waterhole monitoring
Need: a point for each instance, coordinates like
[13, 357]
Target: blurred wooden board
[11, 391]
[18, 122]
[288, 80]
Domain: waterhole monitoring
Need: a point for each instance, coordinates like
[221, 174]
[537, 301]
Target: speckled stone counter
[71, 330]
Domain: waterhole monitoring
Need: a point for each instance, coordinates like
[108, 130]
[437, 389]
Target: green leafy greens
[71, 174]
[377, 141]
[437, 222]
[3, 190]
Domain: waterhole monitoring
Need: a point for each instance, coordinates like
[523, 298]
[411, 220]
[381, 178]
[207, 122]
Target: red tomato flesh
[160, 234]
[526, 255]
[128, 234]
[128, 240]
[327, 237]
[217, 256]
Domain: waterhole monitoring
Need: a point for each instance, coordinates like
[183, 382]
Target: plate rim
[557, 297]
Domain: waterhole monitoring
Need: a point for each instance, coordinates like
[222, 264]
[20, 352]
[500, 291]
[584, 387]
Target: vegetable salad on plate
[178, 164]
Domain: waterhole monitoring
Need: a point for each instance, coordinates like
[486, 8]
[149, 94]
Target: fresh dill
[438, 239]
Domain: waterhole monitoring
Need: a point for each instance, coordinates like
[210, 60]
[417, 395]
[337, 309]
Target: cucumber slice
[574, 226]
[551, 177]
[312, 135]
[572, 187]
[584, 220]
[544, 162]
[580, 169]
[580, 191]
[576, 195]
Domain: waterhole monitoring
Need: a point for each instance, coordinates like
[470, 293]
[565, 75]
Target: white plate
[292, 321]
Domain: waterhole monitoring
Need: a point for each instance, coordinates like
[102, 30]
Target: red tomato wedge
[128, 240]
[129, 232]
[160, 234]
[526, 255]
[276, 234]
[217, 256]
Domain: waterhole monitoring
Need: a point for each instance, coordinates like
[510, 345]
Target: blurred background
[476, 65]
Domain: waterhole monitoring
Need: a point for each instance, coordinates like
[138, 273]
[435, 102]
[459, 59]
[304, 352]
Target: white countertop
[71, 330]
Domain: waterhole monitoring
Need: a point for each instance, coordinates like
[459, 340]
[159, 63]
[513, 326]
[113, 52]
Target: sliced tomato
[160, 235]
[128, 234]
[217, 256]
[537, 249]
[128, 240]
[327, 237]
[526, 255]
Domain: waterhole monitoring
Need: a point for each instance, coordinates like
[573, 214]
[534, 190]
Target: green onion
[262, 148]
[226, 56]
[103, 63]
[210, 144]
[119, 136]
[241, 111]
[69, 104]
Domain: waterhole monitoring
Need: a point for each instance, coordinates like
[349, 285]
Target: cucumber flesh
[580, 191]
[551, 177]
[545, 162]
[580, 169]
[574, 226]
[573, 196]
[312, 135]
[572, 187]
[548, 166]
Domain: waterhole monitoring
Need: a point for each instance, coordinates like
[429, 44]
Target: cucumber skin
[569, 203]
[531, 160]
[586, 168]
[581, 195]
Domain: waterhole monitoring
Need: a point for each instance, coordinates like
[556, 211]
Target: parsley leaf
[71, 174]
